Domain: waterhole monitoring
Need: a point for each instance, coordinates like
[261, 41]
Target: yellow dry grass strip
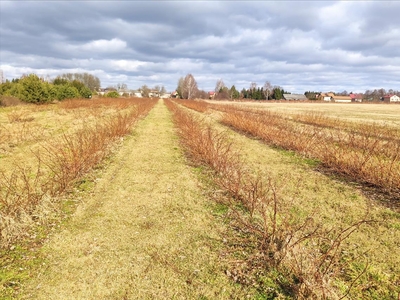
[334, 204]
[145, 233]
[382, 113]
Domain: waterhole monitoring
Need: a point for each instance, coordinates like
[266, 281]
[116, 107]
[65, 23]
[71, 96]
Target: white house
[326, 96]
[125, 92]
[165, 95]
[391, 98]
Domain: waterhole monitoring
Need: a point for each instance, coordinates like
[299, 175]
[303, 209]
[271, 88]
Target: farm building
[342, 99]
[125, 92]
[165, 95]
[391, 98]
[137, 94]
[356, 97]
[103, 92]
[326, 96]
[294, 97]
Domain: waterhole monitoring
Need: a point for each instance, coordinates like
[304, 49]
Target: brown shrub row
[61, 162]
[375, 130]
[358, 154]
[197, 105]
[120, 103]
[301, 256]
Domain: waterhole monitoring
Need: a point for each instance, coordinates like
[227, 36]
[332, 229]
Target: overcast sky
[314, 45]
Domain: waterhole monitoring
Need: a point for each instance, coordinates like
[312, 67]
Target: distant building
[125, 92]
[154, 94]
[300, 97]
[391, 98]
[103, 92]
[326, 96]
[165, 95]
[174, 94]
[356, 97]
[342, 99]
[137, 94]
[2, 77]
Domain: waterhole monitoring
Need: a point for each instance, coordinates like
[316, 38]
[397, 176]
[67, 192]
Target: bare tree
[122, 86]
[267, 89]
[189, 87]
[180, 88]
[145, 91]
[160, 89]
[91, 81]
[219, 86]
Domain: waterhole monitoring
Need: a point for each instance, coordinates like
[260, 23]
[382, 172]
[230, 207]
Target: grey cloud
[290, 43]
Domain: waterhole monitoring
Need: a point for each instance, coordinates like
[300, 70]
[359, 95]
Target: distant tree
[6, 87]
[233, 93]
[381, 93]
[60, 81]
[112, 94]
[311, 95]
[267, 89]
[34, 90]
[67, 92]
[189, 88]
[277, 93]
[219, 86]
[179, 88]
[121, 86]
[160, 89]
[89, 80]
[244, 93]
[83, 90]
[202, 94]
[145, 91]
[257, 94]
[223, 94]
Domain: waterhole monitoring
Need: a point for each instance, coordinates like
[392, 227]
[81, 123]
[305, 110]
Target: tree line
[368, 95]
[187, 89]
[33, 89]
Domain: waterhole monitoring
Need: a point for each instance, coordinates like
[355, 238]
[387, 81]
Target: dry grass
[295, 232]
[358, 112]
[279, 234]
[143, 233]
[57, 164]
[335, 207]
[365, 153]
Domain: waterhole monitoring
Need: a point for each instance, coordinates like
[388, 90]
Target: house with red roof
[391, 98]
[356, 97]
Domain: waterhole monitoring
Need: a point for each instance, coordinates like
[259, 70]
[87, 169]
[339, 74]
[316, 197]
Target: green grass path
[146, 232]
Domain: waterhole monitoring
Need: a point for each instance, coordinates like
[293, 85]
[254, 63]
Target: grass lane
[146, 232]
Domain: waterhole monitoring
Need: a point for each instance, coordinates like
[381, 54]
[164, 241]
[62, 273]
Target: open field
[197, 209]
[364, 112]
[45, 150]
[331, 202]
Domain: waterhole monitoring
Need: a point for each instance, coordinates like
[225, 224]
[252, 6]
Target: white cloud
[97, 46]
[127, 65]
